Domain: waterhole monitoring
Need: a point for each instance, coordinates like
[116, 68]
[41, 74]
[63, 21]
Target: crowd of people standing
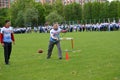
[72, 28]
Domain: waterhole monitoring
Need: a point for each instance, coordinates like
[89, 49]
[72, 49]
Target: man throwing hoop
[55, 40]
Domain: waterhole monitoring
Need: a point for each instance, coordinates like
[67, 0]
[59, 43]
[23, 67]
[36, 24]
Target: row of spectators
[96, 27]
[22, 30]
[72, 28]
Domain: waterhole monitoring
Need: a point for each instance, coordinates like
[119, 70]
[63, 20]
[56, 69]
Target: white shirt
[54, 34]
[7, 34]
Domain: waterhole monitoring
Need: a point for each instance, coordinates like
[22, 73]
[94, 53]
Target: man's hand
[2, 44]
[57, 39]
[14, 42]
[64, 31]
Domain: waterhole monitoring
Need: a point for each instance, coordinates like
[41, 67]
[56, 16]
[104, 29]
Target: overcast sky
[110, 0]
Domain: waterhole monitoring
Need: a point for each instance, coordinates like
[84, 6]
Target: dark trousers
[7, 51]
[51, 46]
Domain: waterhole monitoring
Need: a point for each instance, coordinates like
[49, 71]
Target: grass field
[99, 58]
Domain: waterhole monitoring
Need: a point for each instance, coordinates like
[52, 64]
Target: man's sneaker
[7, 63]
[60, 58]
[48, 57]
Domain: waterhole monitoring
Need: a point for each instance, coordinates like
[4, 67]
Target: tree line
[31, 13]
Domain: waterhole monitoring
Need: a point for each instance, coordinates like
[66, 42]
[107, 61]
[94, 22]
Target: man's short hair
[6, 21]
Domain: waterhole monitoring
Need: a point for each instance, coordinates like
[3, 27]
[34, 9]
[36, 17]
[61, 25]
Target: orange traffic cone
[67, 56]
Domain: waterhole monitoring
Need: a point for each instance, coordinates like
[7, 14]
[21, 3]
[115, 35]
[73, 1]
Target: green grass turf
[99, 58]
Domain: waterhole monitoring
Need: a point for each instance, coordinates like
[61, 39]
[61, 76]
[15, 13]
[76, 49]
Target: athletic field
[98, 59]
